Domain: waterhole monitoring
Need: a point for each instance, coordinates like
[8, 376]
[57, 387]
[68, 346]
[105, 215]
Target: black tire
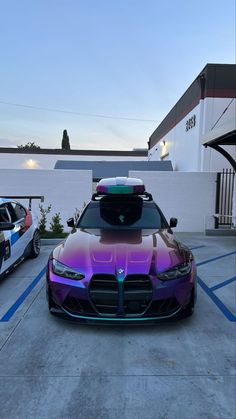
[35, 245]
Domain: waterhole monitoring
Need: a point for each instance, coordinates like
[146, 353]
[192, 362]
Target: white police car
[19, 235]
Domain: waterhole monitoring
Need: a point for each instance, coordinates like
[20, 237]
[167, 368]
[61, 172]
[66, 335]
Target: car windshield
[129, 213]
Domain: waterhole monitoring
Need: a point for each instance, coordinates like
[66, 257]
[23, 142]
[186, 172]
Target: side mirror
[71, 222]
[6, 226]
[173, 222]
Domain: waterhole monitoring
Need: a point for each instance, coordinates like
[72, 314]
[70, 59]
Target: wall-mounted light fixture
[31, 164]
[163, 143]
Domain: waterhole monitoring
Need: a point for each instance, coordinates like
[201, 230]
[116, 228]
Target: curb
[51, 242]
[221, 232]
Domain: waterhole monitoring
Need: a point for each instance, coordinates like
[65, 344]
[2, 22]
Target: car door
[2, 249]
[7, 257]
[18, 238]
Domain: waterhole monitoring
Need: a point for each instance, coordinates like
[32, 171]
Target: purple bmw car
[121, 262]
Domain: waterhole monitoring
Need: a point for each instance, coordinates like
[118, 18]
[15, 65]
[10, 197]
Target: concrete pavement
[53, 368]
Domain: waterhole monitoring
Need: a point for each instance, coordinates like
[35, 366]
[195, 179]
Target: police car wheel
[35, 245]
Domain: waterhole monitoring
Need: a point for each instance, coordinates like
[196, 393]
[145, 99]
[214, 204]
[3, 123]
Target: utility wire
[93, 115]
[227, 107]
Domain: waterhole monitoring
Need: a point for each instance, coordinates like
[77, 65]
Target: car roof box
[120, 186]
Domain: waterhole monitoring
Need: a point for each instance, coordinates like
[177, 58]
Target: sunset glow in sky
[122, 58]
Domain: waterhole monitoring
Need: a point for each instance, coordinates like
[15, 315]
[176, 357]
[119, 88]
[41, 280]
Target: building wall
[213, 110]
[66, 190]
[185, 147]
[182, 145]
[187, 150]
[213, 107]
[190, 197]
[47, 161]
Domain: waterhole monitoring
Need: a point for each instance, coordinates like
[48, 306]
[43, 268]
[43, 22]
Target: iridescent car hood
[106, 251]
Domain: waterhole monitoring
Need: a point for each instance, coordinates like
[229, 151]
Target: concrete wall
[48, 161]
[190, 197]
[66, 190]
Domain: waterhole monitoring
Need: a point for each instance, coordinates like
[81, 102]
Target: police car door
[7, 257]
[18, 236]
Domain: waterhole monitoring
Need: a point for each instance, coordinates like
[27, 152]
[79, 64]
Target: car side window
[4, 214]
[17, 211]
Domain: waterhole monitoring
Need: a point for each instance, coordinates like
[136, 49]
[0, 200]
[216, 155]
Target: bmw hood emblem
[120, 271]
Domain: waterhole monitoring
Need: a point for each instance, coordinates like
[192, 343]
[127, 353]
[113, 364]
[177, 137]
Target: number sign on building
[190, 123]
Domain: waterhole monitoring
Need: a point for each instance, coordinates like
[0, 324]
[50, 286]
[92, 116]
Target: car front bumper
[74, 300]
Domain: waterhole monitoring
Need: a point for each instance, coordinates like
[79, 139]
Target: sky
[126, 61]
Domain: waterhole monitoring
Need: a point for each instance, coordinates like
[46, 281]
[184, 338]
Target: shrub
[43, 217]
[29, 146]
[56, 225]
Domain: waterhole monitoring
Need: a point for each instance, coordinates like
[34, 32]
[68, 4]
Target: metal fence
[224, 198]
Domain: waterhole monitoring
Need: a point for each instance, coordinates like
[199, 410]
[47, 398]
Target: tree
[29, 146]
[56, 225]
[65, 144]
[43, 217]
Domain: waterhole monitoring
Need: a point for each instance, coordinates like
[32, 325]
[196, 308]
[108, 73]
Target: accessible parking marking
[210, 291]
[230, 316]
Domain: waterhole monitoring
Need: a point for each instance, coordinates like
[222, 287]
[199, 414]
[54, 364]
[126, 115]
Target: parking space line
[216, 258]
[217, 301]
[197, 247]
[8, 315]
[209, 291]
[222, 284]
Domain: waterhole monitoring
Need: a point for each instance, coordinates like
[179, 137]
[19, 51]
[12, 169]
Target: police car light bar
[120, 185]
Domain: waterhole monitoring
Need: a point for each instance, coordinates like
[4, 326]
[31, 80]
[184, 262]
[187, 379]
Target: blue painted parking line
[227, 313]
[216, 258]
[222, 284]
[8, 315]
[197, 247]
[210, 291]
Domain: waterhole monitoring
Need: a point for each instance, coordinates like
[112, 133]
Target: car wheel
[35, 245]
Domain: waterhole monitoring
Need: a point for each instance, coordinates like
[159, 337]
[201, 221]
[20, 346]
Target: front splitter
[62, 312]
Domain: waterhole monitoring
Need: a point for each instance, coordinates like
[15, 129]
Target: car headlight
[62, 270]
[177, 272]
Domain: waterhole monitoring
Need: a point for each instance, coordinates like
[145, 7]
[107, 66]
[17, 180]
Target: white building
[205, 110]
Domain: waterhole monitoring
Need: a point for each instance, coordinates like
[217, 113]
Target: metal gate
[224, 198]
